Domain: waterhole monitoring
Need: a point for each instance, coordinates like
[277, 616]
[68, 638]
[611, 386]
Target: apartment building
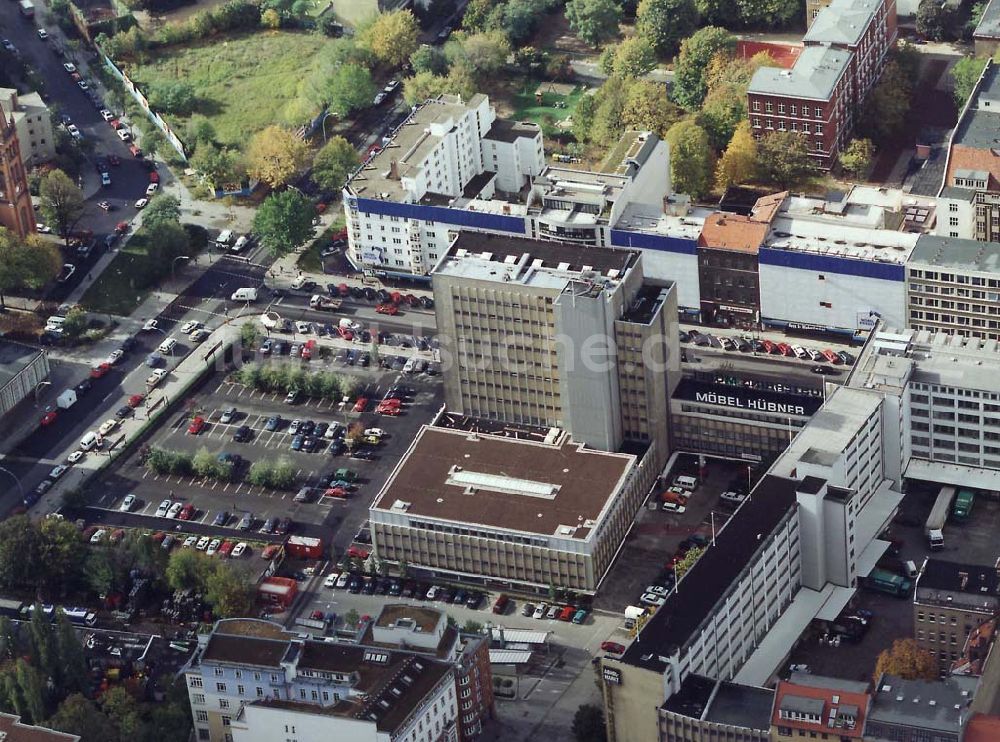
[706, 710]
[919, 710]
[728, 269]
[819, 707]
[970, 191]
[13, 730]
[846, 47]
[952, 286]
[439, 171]
[557, 335]
[250, 680]
[950, 601]
[16, 213]
[508, 510]
[33, 122]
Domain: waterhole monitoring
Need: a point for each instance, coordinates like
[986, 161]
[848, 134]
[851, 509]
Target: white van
[910, 567]
[240, 244]
[167, 345]
[224, 238]
[88, 441]
[410, 366]
[688, 483]
[55, 321]
[245, 294]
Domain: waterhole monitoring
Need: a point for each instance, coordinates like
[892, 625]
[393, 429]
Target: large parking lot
[327, 517]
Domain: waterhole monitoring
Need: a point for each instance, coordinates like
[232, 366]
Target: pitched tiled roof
[732, 232]
[805, 697]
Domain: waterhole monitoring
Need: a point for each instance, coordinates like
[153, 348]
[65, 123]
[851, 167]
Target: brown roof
[767, 206]
[972, 158]
[529, 486]
[426, 618]
[859, 702]
[245, 650]
[15, 731]
[732, 232]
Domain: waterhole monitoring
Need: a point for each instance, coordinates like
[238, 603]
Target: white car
[123, 134]
[161, 512]
[198, 335]
[70, 68]
[156, 377]
[175, 509]
[152, 188]
[378, 432]
[214, 546]
[343, 580]
[98, 536]
[540, 611]
[378, 99]
[188, 327]
[82, 84]
[57, 472]
[189, 542]
[43, 34]
[238, 550]
[141, 203]
[106, 114]
[167, 346]
[799, 351]
[203, 543]
[127, 504]
[43, 228]
[116, 355]
[657, 590]
[331, 580]
[75, 456]
[73, 131]
[733, 497]
[652, 599]
[673, 507]
[303, 328]
[151, 324]
[107, 426]
[299, 282]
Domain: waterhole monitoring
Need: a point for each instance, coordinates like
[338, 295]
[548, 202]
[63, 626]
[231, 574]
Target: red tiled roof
[972, 158]
[983, 728]
[767, 206]
[860, 700]
[784, 55]
[732, 232]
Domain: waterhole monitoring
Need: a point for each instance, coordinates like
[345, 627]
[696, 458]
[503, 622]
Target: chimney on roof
[393, 169]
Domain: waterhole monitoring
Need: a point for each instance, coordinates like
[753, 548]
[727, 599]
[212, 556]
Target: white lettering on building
[760, 405]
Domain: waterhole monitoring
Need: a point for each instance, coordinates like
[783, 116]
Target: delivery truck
[962, 508]
[324, 303]
[887, 582]
[934, 527]
[66, 400]
[27, 8]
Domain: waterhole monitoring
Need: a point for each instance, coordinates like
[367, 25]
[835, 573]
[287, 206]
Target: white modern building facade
[33, 123]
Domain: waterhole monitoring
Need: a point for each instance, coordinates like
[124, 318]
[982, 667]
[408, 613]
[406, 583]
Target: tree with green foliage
[696, 52]
[738, 163]
[691, 159]
[634, 58]
[31, 684]
[188, 569]
[249, 335]
[724, 13]
[482, 54]
[964, 74]
[768, 13]
[163, 208]
[885, 115]
[26, 264]
[648, 107]
[349, 89]
[62, 203]
[393, 37]
[429, 59]
[724, 108]
[934, 20]
[176, 97]
[783, 160]
[72, 660]
[594, 21]
[229, 591]
[588, 724]
[44, 653]
[423, 86]
[77, 715]
[284, 222]
[219, 165]
[857, 158]
[665, 23]
[61, 552]
[123, 711]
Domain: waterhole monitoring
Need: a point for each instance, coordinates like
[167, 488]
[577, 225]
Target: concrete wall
[631, 708]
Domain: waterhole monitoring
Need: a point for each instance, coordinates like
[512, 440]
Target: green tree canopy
[691, 159]
[588, 724]
[697, 51]
[857, 158]
[26, 264]
[284, 221]
[350, 89]
[333, 163]
[783, 160]
[62, 202]
[594, 21]
[665, 23]
[964, 75]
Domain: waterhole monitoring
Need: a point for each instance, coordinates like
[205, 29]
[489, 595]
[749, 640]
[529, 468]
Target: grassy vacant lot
[243, 83]
[526, 107]
[115, 291]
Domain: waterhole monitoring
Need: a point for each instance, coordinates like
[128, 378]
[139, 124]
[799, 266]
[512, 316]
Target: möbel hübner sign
[749, 403]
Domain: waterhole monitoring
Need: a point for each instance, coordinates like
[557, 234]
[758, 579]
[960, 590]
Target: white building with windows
[33, 122]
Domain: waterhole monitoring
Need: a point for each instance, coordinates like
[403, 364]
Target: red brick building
[474, 685]
[15, 201]
[846, 49]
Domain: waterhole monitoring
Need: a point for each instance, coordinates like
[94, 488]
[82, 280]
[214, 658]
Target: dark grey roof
[14, 357]
[742, 706]
[712, 575]
[803, 705]
[973, 579]
[927, 704]
[959, 194]
[822, 681]
[980, 129]
[842, 22]
[989, 24]
[505, 130]
[814, 75]
[955, 253]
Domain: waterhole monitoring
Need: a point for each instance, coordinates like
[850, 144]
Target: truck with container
[890, 583]
[962, 508]
[324, 303]
[304, 547]
[934, 527]
[27, 8]
[66, 400]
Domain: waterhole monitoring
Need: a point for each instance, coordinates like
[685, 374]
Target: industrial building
[22, 370]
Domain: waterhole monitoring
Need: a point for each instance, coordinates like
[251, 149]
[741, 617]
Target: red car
[135, 400]
[360, 405]
[566, 613]
[785, 349]
[390, 309]
[337, 492]
[121, 227]
[384, 410]
[412, 300]
[612, 647]
[344, 290]
[154, 177]
[196, 426]
[187, 512]
[830, 356]
[356, 552]
[48, 418]
[270, 550]
[226, 548]
[98, 371]
[391, 402]
[345, 332]
[307, 350]
[136, 152]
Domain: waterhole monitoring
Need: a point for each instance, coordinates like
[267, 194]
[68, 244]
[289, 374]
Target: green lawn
[244, 83]
[526, 108]
[115, 290]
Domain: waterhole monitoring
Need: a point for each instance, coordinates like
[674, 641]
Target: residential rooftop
[733, 232]
[554, 489]
[814, 76]
[12, 730]
[989, 24]
[630, 153]
[538, 263]
[505, 130]
[647, 302]
[956, 254]
[831, 708]
[975, 144]
[711, 577]
[956, 577]
[842, 22]
[702, 698]
[426, 618]
[931, 705]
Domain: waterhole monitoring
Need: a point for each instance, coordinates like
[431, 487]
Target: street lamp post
[173, 266]
[38, 387]
[20, 487]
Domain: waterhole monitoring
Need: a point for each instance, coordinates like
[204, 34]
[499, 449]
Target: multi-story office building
[504, 510]
[953, 286]
[969, 199]
[918, 710]
[16, 213]
[706, 710]
[551, 334]
[815, 707]
[33, 122]
[251, 681]
[439, 171]
[846, 48]
[951, 600]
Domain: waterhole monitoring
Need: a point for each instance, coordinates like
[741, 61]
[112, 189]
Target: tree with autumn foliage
[738, 163]
[275, 155]
[906, 659]
[393, 37]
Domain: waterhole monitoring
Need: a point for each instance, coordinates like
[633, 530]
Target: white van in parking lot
[244, 294]
[686, 482]
[88, 441]
[224, 238]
